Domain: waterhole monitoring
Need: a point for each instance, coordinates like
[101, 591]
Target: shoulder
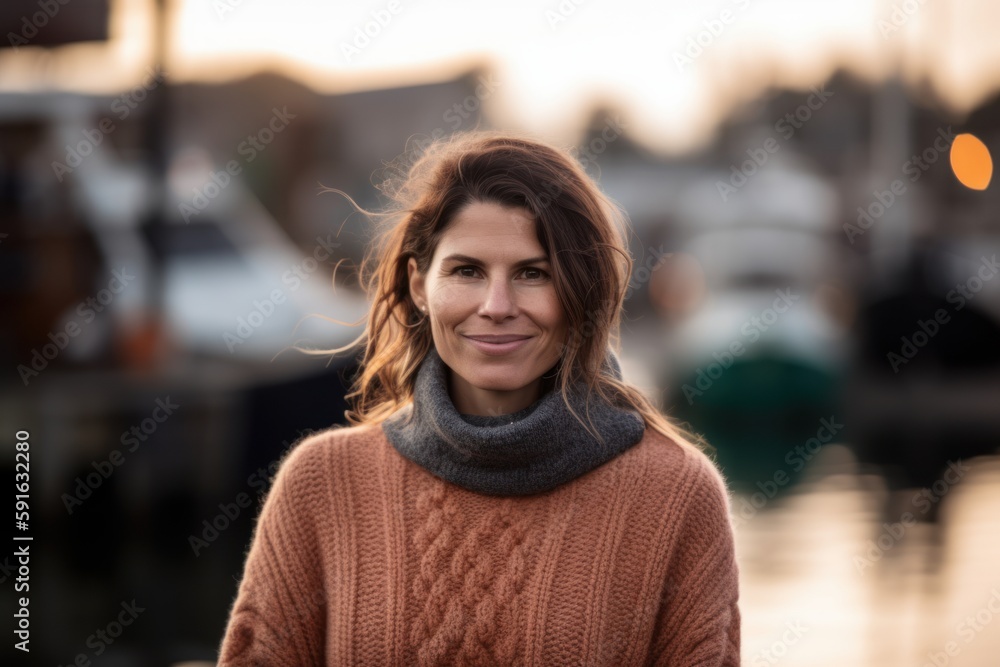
[310, 458]
[692, 504]
[689, 481]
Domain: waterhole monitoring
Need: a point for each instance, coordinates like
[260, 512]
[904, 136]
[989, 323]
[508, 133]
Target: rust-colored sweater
[362, 557]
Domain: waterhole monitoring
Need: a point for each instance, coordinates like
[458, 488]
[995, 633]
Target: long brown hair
[580, 229]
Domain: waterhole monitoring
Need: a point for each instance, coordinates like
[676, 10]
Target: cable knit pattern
[361, 556]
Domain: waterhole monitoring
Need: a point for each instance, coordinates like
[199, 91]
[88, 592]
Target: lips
[495, 346]
[509, 338]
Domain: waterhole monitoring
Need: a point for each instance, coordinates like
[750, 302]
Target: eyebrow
[472, 260]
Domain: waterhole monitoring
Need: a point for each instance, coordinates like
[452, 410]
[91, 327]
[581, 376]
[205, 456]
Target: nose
[499, 301]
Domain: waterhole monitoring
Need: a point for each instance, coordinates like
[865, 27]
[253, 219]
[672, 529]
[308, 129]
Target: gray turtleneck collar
[530, 451]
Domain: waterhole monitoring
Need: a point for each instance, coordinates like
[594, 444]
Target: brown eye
[465, 268]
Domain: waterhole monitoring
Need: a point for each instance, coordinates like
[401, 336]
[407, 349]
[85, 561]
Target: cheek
[552, 311]
[447, 301]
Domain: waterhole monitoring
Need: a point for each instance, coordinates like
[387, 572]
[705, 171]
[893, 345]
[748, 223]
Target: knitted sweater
[361, 556]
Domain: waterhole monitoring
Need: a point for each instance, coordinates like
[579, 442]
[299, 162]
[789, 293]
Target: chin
[490, 382]
[499, 379]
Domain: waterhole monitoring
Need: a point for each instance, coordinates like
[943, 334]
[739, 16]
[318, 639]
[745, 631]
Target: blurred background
[816, 287]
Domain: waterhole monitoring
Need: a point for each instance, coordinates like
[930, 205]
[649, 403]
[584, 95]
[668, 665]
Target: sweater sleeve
[278, 617]
[699, 618]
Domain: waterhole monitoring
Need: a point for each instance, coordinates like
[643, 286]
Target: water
[826, 583]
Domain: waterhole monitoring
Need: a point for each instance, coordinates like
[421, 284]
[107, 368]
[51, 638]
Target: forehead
[489, 230]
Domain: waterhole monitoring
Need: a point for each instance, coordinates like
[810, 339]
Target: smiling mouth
[496, 340]
[498, 346]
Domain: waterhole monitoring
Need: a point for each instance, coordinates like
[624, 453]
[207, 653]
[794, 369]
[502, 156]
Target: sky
[674, 68]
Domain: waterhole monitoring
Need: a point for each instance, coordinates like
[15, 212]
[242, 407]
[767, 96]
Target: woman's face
[489, 276]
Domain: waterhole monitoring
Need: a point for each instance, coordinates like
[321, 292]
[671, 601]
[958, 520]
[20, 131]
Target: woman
[501, 496]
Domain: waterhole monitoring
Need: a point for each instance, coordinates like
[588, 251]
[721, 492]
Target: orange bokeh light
[971, 162]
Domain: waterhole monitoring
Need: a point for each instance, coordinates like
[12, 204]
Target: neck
[530, 450]
[471, 400]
